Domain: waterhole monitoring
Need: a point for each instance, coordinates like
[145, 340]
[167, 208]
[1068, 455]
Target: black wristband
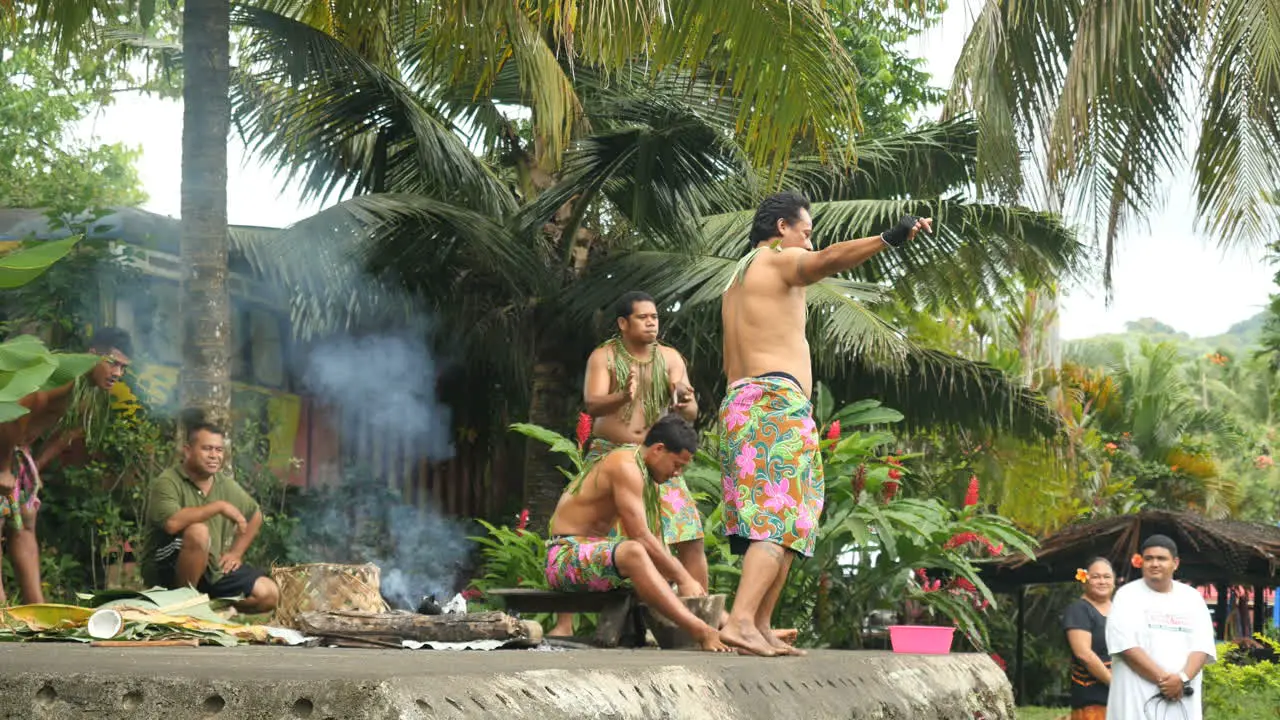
[894, 237]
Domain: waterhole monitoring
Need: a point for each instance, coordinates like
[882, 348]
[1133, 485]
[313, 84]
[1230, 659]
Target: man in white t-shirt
[1160, 635]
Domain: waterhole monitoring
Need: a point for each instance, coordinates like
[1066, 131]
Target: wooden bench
[621, 615]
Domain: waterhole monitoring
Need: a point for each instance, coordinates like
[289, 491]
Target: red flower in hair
[1136, 561]
[833, 432]
[584, 430]
[971, 497]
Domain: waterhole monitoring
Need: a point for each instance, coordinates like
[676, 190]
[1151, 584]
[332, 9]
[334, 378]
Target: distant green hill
[1243, 338]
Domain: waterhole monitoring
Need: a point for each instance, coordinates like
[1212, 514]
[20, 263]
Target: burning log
[395, 626]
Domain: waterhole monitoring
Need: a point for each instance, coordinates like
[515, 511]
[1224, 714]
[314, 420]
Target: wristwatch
[1183, 677]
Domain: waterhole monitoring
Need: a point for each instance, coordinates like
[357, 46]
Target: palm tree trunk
[206, 117]
[550, 405]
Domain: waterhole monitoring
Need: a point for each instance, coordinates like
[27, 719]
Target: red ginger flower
[961, 539]
[890, 489]
[895, 474]
[971, 497]
[833, 432]
[522, 520]
[584, 430]
[859, 481]
[999, 661]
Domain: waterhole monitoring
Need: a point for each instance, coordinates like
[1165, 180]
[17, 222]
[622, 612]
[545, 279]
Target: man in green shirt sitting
[199, 525]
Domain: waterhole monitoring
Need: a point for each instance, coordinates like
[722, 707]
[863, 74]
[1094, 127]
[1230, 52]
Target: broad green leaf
[22, 266]
[69, 367]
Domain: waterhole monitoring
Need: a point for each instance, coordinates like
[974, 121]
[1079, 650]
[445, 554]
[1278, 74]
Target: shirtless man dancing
[631, 381]
[771, 469]
[20, 470]
[621, 488]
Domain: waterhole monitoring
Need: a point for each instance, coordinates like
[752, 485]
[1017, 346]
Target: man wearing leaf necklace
[71, 411]
[584, 552]
[771, 470]
[632, 380]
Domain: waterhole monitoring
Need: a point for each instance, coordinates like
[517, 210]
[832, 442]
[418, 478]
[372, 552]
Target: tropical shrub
[878, 549]
[1238, 686]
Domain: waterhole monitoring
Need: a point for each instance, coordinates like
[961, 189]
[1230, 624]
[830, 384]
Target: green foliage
[1239, 687]
[46, 167]
[22, 266]
[893, 88]
[871, 550]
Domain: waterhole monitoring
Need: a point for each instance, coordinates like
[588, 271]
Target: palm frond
[375, 258]
[1237, 161]
[976, 251]
[343, 124]
[931, 160]
[657, 160]
[1104, 86]
[776, 54]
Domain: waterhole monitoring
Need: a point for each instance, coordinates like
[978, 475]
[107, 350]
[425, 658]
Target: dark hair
[194, 420]
[779, 206]
[108, 338]
[1100, 559]
[627, 303]
[674, 432]
[1160, 541]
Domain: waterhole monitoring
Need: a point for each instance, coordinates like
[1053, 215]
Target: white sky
[1164, 269]
[1167, 270]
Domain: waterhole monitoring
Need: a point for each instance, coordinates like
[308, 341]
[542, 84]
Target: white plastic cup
[105, 624]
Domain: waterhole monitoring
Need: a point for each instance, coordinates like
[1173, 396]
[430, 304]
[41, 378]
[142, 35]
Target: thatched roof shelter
[1211, 551]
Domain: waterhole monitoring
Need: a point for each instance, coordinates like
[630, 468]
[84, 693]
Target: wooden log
[457, 627]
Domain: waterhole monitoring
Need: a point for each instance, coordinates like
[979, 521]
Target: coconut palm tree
[1108, 95]
[655, 195]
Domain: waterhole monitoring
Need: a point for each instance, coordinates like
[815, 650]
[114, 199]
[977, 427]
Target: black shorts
[237, 583]
[738, 545]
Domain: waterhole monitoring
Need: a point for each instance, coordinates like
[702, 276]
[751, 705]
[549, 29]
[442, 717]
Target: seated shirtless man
[623, 486]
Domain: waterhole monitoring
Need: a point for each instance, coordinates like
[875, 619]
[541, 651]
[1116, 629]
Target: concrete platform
[68, 681]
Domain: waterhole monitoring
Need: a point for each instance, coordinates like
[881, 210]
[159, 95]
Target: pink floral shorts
[583, 563]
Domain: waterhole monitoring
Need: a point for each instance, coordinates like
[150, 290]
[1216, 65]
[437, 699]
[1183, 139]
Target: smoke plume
[390, 378]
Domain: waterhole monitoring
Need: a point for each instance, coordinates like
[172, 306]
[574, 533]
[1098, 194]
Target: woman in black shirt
[1085, 621]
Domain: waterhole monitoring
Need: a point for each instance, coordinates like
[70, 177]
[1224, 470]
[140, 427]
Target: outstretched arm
[810, 267]
[628, 496]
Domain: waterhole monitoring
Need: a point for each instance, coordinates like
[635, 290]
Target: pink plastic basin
[921, 639]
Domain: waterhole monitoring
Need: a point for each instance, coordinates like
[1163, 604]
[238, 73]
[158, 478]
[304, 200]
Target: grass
[1042, 713]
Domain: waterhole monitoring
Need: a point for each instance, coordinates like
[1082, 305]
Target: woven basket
[324, 587]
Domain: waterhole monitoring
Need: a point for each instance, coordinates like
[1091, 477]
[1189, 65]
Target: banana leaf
[45, 616]
[22, 266]
[27, 366]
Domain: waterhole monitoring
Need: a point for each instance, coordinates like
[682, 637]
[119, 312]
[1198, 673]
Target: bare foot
[787, 635]
[745, 637]
[779, 646]
[710, 641]
[564, 626]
